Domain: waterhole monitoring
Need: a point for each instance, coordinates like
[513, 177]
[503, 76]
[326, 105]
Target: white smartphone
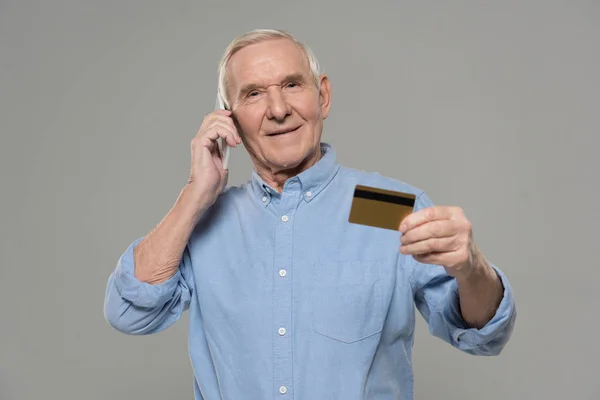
[224, 148]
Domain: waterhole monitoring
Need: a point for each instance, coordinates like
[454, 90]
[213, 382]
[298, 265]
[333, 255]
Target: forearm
[158, 255]
[480, 293]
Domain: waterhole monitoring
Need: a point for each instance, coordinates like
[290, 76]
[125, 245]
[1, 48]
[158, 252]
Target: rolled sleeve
[491, 338]
[135, 307]
[142, 294]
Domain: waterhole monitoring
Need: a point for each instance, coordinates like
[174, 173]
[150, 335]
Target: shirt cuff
[493, 336]
[142, 294]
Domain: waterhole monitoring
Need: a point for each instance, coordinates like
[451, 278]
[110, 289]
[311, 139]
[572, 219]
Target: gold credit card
[380, 208]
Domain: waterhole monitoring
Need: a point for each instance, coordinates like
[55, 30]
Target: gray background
[493, 106]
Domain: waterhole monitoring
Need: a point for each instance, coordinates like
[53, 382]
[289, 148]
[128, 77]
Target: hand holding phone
[209, 148]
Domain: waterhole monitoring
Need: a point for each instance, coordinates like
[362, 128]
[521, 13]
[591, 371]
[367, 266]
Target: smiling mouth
[284, 132]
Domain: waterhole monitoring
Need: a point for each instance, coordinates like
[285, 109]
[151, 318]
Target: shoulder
[234, 192]
[231, 196]
[223, 209]
[354, 176]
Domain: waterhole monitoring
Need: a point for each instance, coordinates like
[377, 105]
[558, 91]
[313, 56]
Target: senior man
[286, 297]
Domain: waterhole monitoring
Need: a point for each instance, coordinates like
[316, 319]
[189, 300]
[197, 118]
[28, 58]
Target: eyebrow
[297, 77]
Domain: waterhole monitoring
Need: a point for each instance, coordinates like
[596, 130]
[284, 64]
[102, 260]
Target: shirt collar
[312, 181]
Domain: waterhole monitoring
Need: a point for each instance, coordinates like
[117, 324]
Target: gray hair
[257, 36]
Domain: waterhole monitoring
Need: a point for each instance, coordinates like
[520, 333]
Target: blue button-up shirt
[289, 300]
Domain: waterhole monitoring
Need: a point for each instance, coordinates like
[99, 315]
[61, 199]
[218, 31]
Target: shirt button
[285, 218]
[283, 390]
[282, 272]
[308, 194]
[281, 331]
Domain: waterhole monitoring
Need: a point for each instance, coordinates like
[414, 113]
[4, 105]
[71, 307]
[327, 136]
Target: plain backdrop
[490, 105]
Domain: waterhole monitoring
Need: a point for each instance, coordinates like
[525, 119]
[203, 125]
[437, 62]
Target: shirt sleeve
[436, 298]
[135, 307]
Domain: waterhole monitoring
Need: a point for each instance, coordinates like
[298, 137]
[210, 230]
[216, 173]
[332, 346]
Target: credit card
[380, 208]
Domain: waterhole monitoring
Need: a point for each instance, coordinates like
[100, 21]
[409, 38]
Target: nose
[278, 108]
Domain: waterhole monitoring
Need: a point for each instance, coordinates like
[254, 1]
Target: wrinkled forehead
[266, 63]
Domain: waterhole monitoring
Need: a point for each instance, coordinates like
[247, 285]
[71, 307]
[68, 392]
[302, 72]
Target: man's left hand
[439, 235]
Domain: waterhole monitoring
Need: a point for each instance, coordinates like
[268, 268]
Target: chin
[288, 156]
[287, 161]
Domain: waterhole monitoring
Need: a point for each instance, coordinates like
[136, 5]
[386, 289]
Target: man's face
[276, 104]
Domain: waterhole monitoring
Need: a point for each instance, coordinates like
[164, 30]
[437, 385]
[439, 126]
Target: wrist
[476, 268]
[195, 199]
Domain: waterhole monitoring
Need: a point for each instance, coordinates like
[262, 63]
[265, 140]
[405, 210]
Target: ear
[325, 96]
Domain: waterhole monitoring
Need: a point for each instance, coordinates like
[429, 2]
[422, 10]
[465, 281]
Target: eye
[292, 85]
[253, 94]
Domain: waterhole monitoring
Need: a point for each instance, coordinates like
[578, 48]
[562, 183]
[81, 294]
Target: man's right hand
[207, 175]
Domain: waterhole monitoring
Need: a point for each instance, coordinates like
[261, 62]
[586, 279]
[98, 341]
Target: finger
[425, 215]
[208, 158]
[447, 259]
[430, 258]
[433, 229]
[228, 121]
[225, 119]
[234, 129]
[203, 145]
[216, 156]
[443, 244]
[221, 112]
[219, 129]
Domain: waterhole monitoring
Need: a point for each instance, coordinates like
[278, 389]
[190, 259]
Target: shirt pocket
[347, 300]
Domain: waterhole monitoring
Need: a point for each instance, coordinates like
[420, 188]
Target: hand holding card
[439, 235]
[435, 235]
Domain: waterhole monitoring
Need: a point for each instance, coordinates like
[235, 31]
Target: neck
[276, 178]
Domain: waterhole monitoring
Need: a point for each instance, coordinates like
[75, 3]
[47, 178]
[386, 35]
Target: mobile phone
[224, 148]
